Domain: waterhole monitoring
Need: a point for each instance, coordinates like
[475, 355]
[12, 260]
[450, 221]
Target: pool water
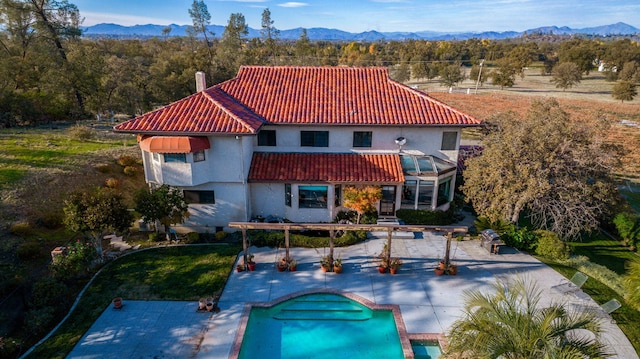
[320, 326]
[425, 349]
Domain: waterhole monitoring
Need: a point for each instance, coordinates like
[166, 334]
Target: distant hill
[150, 30]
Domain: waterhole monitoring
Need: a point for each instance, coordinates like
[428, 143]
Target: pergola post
[286, 244]
[244, 244]
[447, 253]
[332, 236]
[388, 254]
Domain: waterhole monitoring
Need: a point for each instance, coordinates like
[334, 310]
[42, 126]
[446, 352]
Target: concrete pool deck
[429, 303]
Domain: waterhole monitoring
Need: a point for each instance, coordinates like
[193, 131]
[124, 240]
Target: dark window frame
[362, 138]
[287, 194]
[314, 138]
[199, 156]
[175, 157]
[313, 196]
[199, 197]
[267, 138]
[449, 143]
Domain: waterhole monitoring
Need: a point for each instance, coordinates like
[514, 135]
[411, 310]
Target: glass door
[388, 201]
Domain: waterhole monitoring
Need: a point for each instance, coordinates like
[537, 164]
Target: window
[312, 196]
[362, 139]
[449, 140]
[287, 194]
[198, 156]
[444, 191]
[409, 194]
[175, 157]
[199, 197]
[155, 156]
[425, 194]
[267, 138]
[314, 138]
[408, 165]
[337, 193]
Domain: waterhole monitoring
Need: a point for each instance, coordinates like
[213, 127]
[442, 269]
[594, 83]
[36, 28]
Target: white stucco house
[284, 141]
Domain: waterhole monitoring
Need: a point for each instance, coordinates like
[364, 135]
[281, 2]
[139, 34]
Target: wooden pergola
[332, 228]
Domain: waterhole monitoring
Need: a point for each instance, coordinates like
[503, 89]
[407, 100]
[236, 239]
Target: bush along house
[286, 141]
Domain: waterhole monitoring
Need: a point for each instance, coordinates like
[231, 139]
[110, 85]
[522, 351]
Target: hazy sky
[379, 15]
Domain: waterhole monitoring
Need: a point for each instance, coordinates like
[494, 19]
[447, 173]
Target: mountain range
[150, 30]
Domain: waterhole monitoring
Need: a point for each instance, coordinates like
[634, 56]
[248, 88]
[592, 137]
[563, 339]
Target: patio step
[344, 310]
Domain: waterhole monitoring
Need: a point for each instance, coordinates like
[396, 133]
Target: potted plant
[293, 265]
[337, 265]
[325, 264]
[251, 265]
[282, 265]
[383, 265]
[117, 303]
[240, 267]
[394, 265]
[439, 271]
[452, 269]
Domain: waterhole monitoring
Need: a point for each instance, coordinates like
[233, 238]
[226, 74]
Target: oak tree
[558, 170]
[165, 204]
[566, 75]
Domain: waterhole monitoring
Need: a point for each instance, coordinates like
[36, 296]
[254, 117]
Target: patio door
[388, 201]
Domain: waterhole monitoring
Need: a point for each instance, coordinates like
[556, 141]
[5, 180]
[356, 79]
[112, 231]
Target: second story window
[267, 138]
[198, 156]
[314, 138]
[362, 139]
[449, 140]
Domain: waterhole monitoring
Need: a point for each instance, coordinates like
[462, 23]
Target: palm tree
[510, 324]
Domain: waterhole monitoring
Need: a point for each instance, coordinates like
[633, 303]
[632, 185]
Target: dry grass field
[591, 99]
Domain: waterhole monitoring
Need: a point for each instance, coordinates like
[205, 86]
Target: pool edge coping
[405, 338]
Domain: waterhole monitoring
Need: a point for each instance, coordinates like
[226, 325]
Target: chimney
[201, 81]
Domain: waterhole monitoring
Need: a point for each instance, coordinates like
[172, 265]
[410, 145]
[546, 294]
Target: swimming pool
[321, 325]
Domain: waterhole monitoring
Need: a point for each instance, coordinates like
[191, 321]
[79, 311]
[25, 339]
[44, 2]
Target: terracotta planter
[382, 269]
[337, 269]
[393, 270]
[324, 268]
[281, 267]
[442, 265]
[240, 268]
[117, 303]
[292, 268]
[202, 304]
[453, 270]
[251, 266]
[439, 271]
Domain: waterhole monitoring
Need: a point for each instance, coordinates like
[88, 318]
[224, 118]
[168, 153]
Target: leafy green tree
[630, 71]
[560, 171]
[505, 74]
[165, 204]
[511, 323]
[624, 91]
[477, 73]
[96, 213]
[402, 72]
[566, 75]
[451, 75]
[580, 52]
[632, 283]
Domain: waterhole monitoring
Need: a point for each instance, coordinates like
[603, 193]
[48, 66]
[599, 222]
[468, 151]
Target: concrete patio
[429, 303]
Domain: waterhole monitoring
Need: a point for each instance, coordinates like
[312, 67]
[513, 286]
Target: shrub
[130, 171]
[192, 237]
[522, 239]
[111, 183]
[500, 226]
[126, 160]
[103, 168]
[76, 262]
[49, 292]
[82, 133]
[220, 235]
[628, 227]
[28, 250]
[50, 220]
[156, 237]
[276, 239]
[21, 229]
[551, 246]
[38, 321]
[597, 271]
[352, 216]
[426, 217]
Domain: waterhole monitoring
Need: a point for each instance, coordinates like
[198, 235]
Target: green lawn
[626, 317]
[173, 273]
[605, 251]
[22, 150]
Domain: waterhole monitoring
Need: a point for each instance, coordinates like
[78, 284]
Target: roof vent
[201, 81]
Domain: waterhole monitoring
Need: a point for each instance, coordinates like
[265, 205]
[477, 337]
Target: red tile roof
[301, 96]
[325, 167]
